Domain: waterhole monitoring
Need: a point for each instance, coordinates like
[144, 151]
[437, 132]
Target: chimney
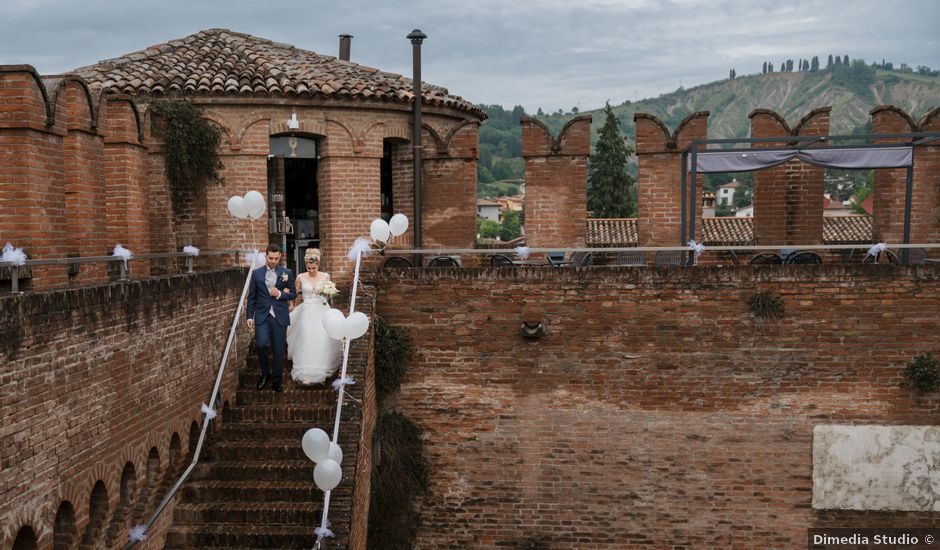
[345, 41]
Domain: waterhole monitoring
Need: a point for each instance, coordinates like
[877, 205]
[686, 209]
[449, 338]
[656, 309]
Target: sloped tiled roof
[619, 232]
[847, 230]
[222, 62]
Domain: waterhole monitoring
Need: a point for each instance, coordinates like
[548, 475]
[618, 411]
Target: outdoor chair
[555, 258]
[443, 261]
[630, 257]
[501, 260]
[728, 255]
[803, 257]
[916, 256]
[398, 261]
[578, 259]
[887, 254]
[669, 257]
[766, 258]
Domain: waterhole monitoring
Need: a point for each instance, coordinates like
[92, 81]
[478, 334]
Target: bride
[314, 354]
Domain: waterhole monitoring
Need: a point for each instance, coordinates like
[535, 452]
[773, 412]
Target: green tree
[830, 64]
[510, 228]
[609, 183]
[487, 229]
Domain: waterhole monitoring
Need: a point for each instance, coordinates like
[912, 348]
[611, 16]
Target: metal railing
[16, 273]
[452, 252]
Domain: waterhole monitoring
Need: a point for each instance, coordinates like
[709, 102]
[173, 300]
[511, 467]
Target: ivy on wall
[191, 144]
[400, 468]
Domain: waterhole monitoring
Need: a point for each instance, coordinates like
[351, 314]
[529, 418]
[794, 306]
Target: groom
[269, 290]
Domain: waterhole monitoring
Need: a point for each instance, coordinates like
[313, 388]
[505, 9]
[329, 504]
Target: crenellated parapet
[659, 185]
[890, 185]
[556, 182]
[788, 199]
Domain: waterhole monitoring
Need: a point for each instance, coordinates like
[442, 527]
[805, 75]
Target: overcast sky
[537, 53]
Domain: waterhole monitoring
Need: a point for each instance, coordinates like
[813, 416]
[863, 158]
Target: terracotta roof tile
[220, 61]
[620, 232]
[613, 232]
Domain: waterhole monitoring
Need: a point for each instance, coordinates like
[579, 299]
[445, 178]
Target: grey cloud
[548, 53]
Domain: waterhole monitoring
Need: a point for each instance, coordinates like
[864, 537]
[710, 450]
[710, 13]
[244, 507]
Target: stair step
[251, 491]
[280, 413]
[270, 450]
[261, 431]
[292, 394]
[263, 470]
[248, 377]
[229, 535]
[249, 513]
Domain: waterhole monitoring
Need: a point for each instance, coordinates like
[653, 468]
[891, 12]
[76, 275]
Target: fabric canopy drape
[708, 162]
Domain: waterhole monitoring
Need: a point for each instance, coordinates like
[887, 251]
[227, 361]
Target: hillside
[851, 92]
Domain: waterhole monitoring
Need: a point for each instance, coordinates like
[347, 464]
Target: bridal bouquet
[327, 289]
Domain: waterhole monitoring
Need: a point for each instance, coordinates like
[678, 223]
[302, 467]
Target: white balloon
[398, 224]
[356, 325]
[379, 230]
[316, 444]
[236, 206]
[254, 204]
[334, 322]
[327, 474]
[335, 454]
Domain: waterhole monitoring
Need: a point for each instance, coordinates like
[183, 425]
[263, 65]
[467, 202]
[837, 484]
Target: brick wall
[788, 199]
[657, 412]
[890, 185]
[97, 178]
[98, 377]
[659, 186]
[556, 182]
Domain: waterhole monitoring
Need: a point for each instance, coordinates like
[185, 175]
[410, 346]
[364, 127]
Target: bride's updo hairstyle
[312, 254]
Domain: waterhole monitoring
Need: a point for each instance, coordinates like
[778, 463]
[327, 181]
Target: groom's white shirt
[270, 279]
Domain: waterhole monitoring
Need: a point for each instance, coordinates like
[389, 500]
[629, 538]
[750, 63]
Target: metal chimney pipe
[345, 42]
[417, 37]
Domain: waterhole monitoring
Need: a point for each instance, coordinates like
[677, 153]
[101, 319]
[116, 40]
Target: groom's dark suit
[271, 316]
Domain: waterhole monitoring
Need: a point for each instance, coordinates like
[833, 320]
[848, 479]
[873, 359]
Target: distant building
[488, 209]
[745, 212]
[726, 192]
[511, 204]
[708, 205]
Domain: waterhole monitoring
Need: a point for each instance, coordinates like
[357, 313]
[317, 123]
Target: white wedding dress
[314, 354]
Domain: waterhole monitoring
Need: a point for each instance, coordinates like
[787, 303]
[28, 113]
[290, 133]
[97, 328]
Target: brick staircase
[254, 486]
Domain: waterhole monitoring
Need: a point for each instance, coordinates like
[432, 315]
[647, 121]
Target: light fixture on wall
[292, 122]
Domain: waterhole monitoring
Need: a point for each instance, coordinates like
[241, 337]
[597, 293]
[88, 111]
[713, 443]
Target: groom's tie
[270, 279]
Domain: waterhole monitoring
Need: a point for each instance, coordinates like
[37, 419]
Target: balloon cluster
[381, 231]
[250, 206]
[327, 456]
[338, 326]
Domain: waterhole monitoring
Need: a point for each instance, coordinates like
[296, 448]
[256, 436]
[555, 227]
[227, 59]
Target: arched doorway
[293, 196]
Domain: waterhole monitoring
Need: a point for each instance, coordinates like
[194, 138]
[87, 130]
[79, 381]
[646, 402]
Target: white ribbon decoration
[210, 413]
[363, 245]
[191, 250]
[697, 247]
[522, 252]
[16, 256]
[138, 533]
[345, 381]
[877, 249]
[122, 253]
[323, 532]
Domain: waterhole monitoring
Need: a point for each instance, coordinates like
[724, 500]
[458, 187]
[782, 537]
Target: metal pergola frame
[796, 143]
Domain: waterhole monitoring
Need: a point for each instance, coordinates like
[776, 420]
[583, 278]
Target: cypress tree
[609, 185]
[830, 64]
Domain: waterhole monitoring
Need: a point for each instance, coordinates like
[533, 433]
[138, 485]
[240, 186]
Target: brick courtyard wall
[98, 377]
[788, 199]
[556, 182]
[448, 198]
[659, 186]
[890, 184]
[657, 412]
